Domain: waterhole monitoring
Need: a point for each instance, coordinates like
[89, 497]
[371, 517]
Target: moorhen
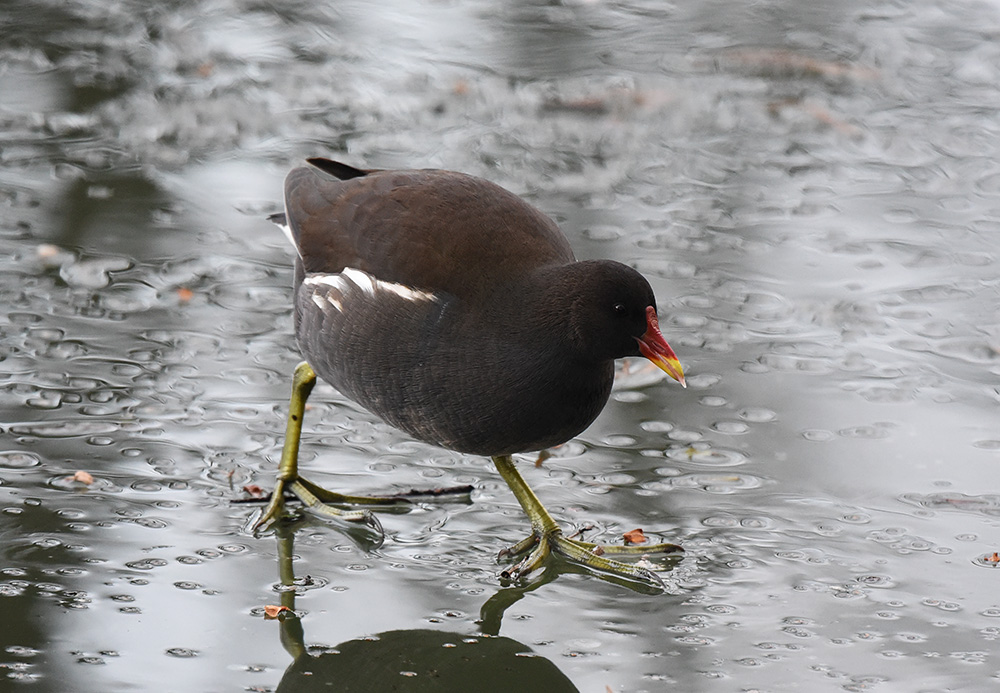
[456, 311]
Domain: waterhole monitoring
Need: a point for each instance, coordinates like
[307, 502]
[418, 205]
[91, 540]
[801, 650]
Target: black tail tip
[336, 169]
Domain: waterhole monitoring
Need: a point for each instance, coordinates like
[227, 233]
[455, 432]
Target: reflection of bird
[456, 312]
[425, 661]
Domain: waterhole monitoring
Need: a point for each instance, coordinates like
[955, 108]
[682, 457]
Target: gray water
[812, 190]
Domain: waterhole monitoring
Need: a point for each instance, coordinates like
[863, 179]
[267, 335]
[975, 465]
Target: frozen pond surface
[814, 192]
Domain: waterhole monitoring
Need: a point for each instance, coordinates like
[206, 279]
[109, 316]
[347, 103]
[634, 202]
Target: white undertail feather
[286, 228]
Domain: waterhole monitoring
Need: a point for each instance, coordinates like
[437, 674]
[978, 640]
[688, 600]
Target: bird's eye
[620, 309]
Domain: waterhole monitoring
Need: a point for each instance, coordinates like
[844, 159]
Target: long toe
[593, 556]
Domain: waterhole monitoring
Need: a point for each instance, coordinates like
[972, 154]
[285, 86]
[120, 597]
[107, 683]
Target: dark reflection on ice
[414, 660]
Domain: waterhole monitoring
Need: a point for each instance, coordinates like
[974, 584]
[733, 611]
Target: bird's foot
[541, 543]
[546, 538]
[318, 500]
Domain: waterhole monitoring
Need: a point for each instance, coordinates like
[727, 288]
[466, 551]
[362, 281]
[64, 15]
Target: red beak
[654, 347]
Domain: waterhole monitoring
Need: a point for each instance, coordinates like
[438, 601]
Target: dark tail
[337, 169]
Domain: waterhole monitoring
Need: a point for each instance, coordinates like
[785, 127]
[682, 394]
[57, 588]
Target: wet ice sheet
[812, 191]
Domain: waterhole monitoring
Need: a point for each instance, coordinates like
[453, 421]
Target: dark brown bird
[456, 311]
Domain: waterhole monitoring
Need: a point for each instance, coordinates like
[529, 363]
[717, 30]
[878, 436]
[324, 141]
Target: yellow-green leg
[546, 537]
[315, 497]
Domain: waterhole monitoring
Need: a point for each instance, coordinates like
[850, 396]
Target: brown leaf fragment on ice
[542, 456]
[273, 611]
[83, 477]
[635, 537]
[254, 491]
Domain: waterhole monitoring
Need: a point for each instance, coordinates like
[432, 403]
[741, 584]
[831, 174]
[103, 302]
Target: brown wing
[415, 227]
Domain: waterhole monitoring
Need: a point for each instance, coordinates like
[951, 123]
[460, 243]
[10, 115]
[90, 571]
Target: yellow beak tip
[672, 367]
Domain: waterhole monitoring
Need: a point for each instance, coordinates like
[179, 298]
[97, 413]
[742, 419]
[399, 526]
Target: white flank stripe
[329, 281]
[406, 292]
[362, 280]
[338, 287]
[334, 286]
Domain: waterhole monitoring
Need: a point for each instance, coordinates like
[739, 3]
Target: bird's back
[416, 227]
